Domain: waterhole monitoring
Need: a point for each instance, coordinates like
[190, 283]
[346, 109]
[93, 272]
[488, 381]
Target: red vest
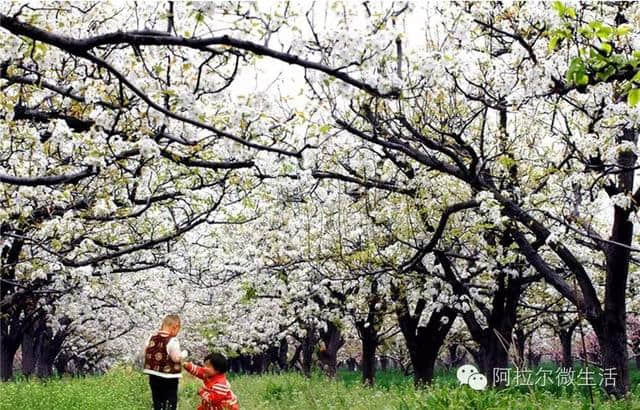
[156, 357]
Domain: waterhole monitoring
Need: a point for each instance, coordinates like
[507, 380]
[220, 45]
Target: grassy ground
[128, 389]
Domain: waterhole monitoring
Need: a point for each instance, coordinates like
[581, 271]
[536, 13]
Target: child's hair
[170, 320]
[218, 361]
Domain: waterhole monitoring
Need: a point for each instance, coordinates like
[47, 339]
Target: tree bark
[384, 363]
[423, 342]
[520, 343]
[333, 341]
[11, 326]
[566, 341]
[611, 329]
[28, 350]
[308, 346]
[455, 358]
[613, 346]
[283, 349]
[368, 363]
[8, 349]
[493, 353]
[494, 340]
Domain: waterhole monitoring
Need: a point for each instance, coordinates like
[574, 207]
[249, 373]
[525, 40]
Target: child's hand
[185, 364]
[184, 354]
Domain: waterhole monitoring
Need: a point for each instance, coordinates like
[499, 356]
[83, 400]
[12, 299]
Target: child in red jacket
[216, 393]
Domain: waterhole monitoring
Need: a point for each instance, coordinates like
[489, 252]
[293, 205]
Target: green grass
[128, 389]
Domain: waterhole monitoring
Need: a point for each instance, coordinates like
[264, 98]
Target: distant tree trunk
[533, 357]
[384, 363]
[454, 357]
[368, 363]
[48, 345]
[333, 341]
[635, 348]
[234, 364]
[352, 364]
[309, 343]
[60, 363]
[368, 328]
[46, 355]
[31, 339]
[44, 367]
[566, 341]
[283, 349]
[29, 358]
[258, 363]
[245, 363]
[520, 344]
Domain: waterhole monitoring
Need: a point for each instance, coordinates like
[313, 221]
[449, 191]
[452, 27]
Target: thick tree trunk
[423, 367]
[333, 341]
[29, 358]
[368, 364]
[423, 342]
[494, 340]
[566, 341]
[8, 349]
[283, 349]
[308, 346]
[44, 367]
[493, 355]
[60, 363]
[30, 341]
[11, 326]
[520, 343]
[613, 346]
[612, 328]
[45, 354]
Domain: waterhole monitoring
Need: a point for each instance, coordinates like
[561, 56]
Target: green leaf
[582, 79]
[563, 11]
[605, 33]
[633, 97]
[576, 71]
[553, 43]
[623, 30]
[606, 47]
[325, 129]
[570, 12]
[587, 32]
[595, 25]
[559, 7]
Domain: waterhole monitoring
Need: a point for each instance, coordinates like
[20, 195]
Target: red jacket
[216, 393]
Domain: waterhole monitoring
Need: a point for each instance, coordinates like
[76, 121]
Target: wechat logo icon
[468, 374]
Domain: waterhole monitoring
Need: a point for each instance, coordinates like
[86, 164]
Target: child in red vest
[162, 359]
[216, 393]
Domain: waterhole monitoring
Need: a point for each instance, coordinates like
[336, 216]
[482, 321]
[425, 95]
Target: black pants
[164, 392]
